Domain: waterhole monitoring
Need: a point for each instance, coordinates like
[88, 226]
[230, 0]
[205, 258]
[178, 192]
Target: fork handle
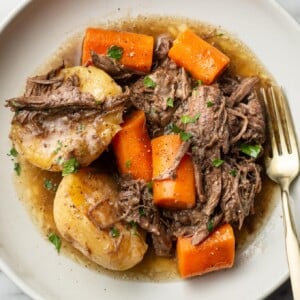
[292, 244]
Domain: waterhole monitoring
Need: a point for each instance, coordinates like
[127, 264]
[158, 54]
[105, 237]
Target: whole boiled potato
[81, 135]
[84, 203]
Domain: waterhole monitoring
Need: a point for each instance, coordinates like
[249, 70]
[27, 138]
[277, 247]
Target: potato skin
[76, 194]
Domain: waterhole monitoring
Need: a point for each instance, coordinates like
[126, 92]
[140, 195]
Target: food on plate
[133, 50]
[173, 173]
[64, 116]
[132, 147]
[158, 136]
[200, 58]
[215, 253]
[85, 215]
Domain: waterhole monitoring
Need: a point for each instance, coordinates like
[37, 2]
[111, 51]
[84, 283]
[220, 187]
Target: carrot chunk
[201, 59]
[215, 253]
[132, 147]
[177, 193]
[137, 49]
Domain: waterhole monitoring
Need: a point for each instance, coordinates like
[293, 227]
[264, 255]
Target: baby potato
[119, 246]
[94, 81]
[83, 135]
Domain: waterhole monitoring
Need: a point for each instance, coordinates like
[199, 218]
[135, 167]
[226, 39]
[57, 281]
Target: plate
[28, 39]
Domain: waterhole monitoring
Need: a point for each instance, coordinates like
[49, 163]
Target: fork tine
[291, 134]
[270, 121]
[276, 99]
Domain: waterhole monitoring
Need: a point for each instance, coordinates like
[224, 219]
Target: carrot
[215, 253]
[201, 59]
[177, 193]
[132, 147]
[137, 48]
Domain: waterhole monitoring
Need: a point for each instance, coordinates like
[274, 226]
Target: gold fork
[282, 166]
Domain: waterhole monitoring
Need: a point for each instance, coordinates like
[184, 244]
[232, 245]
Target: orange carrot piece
[215, 253]
[137, 48]
[132, 147]
[201, 59]
[177, 193]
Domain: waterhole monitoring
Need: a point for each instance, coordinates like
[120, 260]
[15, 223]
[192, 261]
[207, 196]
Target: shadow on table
[284, 292]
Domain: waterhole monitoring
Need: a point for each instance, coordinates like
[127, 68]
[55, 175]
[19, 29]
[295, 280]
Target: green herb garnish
[233, 172]
[142, 211]
[188, 119]
[251, 150]
[217, 162]
[58, 147]
[55, 240]
[13, 152]
[114, 232]
[210, 103]
[148, 82]
[70, 166]
[128, 164]
[185, 136]
[199, 82]
[115, 52]
[17, 168]
[150, 186]
[170, 102]
[49, 185]
[210, 225]
[175, 128]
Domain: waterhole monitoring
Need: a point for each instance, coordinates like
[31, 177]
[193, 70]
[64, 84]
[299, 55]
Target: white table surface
[8, 290]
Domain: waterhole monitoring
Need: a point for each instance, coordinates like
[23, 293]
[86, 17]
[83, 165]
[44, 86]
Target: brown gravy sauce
[31, 182]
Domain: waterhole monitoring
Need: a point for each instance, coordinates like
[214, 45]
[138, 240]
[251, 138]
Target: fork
[282, 166]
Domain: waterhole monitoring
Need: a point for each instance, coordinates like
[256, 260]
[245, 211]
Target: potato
[94, 81]
[77, 194]
[83, 137]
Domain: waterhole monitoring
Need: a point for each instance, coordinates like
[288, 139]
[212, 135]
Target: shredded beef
[220, 118]
[172, 83]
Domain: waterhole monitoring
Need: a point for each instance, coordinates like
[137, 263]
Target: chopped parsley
[114, 232]
[148, 82]
[217, 162]
[17, 168]
[189, 120]
[210, 103]
[133, 227]
[58, 147]
[185, 136]
[13, 152]
[210, 225]
[199, 82]
[251, 150]
[233, 172]
[128, 164]
[55, 240]
[142, 211]
[170, 102]
[115, 52]
[70, 166]
[150, 186]
[49, 185]
[174, 128]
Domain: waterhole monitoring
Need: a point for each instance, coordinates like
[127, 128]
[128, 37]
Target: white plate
[32, 36]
